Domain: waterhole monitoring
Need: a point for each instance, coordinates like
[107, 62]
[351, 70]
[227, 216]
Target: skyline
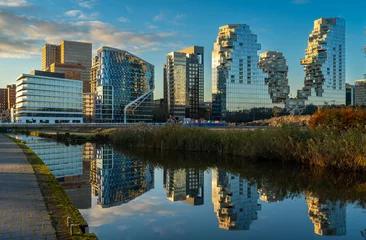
[153, 30]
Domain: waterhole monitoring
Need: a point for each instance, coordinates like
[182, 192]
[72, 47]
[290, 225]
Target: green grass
[55, 198]
[345, 150]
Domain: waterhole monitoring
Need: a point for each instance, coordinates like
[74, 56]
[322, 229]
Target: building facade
[184, 73]
[238, 84]
[325, 64]
[123, 80]
[274, 64]
[44, 97]
[235, 201]
[350, 95]
[360, 92]
[11, 95]
[74, 59]
[3, 99]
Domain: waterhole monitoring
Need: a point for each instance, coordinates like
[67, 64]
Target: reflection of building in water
[329, 218]
[234, 200]
[268, 195]
[118, 179]
[184, 185]
[62, 160]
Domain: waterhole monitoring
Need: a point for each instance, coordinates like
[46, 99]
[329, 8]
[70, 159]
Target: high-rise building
[119, 178]
[184, 73]
[45, 97]
[89, 107]
[329, 218]
[50, 54]
[238, 84]
[350, 94]
[325, 64]
[71, 58]
[360, 92]
[125, 83]
[3, 99]
[235, 201]
[165, 86]
[186, 185]
[11, 95]
[94, 75]
[274, 64]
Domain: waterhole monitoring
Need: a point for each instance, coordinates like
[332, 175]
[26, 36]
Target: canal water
[155, 195]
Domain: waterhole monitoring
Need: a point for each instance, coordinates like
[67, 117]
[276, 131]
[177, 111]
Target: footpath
[23, 213]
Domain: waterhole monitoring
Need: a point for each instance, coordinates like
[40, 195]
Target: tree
[309, 109]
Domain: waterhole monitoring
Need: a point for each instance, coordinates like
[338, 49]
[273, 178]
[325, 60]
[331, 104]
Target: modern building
[3, 99]
[186, 185]
[11, 95]
[119, 179]
[125, 84]
[360, 92]
[94, 75]
[165, 85]
[235, 201]
[295, 106]
[329, 218]
[45, 97]
[350, 94]
[238, 84]
[184, 73]
[89, 107]
[325, 64]
[274, 64]
[74, 59]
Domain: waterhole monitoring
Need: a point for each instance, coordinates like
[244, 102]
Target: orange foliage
[339, 118]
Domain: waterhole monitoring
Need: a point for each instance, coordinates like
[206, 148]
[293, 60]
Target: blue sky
[153, 28]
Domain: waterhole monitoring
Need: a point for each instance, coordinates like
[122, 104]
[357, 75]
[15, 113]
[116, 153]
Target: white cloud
[14, 3]
[123, 19]
[300, 1]
[81, 15]
[179, 17]
[159, 17]
[150, 26]
[129, 9]
[86, 4]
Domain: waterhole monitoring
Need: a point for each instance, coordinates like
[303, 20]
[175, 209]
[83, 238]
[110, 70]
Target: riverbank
[58, 203]
[344, 150]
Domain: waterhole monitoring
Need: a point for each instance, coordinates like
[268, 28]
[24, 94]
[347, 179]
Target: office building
[11, 95]
[89, 107]
[3, 99]
[125, 83]
[186, 185]
[360, 92]
[184, 73]
[119, 179]
[235, 201]
[325, 64]
[350, 95]
[74, 59]
[165, 85]
[94, 75]
[45, 97]
[329, 218]
[238, 84]
[274, 64]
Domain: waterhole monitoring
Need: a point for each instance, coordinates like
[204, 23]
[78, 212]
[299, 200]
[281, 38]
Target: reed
[344, 150]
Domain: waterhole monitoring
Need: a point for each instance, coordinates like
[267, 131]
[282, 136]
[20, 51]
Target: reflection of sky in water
[153, 216]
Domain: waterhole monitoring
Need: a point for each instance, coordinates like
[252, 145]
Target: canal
[156, 195]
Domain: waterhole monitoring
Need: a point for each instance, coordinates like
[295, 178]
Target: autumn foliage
[339, 118]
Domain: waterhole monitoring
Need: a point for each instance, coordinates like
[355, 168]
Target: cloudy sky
[153, 28]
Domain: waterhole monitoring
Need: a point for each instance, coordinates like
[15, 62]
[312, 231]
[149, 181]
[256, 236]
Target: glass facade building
[42, 98]
[360, 92]
[121, 79]
[119, 178]
[238, 83]
[325, 64]
[235, 201]
[184, 74]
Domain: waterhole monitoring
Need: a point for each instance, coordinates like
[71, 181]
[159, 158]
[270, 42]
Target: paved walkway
[23, 213]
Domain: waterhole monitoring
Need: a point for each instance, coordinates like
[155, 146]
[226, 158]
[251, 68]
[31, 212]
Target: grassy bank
[58, 203]
[320, 147]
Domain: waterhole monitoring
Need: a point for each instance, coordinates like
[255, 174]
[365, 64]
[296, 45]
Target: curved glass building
[324, 64]
[239, 91]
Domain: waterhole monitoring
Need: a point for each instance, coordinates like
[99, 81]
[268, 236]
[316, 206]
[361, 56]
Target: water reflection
[96, 177]
[329, 218]
[235, 201]
[186, 185]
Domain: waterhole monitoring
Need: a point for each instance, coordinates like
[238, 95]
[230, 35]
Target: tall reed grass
[320, 147]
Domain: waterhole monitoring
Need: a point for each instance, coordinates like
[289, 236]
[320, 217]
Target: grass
[345, 150]
[59, 205]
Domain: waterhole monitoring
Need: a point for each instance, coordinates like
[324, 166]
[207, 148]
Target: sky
[151, 29]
